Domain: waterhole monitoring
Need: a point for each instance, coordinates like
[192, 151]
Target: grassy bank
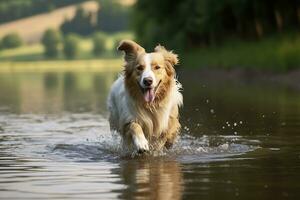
[276, 53]
[62, 65]
[35, 52]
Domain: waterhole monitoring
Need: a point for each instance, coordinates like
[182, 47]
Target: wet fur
[157, 120]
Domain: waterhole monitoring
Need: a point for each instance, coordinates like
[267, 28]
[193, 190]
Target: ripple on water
[86, 137]
[187, 149]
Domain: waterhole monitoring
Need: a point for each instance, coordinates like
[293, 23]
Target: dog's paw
[140, 143]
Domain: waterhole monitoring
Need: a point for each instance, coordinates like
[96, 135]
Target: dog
[144, 101]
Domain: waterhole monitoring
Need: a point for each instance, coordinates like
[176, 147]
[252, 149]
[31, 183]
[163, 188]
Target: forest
[199, 23]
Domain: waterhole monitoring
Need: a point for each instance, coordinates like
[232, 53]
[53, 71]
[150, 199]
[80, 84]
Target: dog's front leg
[134, 132]
[173, 128]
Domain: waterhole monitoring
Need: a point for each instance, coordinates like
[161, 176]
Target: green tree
[81, 24]
[112, 17]
[99, 40]
[15, 9]
[52, 40]
[71, 46]
[195, 23]
[11, 40]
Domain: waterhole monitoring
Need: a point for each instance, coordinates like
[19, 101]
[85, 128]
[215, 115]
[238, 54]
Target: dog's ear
[131, 49]
[170, 58]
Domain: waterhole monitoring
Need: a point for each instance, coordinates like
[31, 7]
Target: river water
[240, 140]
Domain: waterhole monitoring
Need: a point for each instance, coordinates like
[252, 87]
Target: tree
[71, 46]
[99, 40]
[11, 40]
[81, 24]
[51, 41]
[112, 17]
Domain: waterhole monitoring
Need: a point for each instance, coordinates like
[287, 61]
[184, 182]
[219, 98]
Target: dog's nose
[148, 81]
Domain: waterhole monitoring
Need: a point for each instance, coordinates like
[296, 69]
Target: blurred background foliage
[16, 9]
[190, 23]
[223, 33]
[81, 23]
[216, 33]
[86, 35]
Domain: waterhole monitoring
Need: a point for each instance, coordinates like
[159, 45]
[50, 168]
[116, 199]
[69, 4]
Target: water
[240, 140]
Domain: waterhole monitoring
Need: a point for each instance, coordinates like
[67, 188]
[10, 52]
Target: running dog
[144, 100]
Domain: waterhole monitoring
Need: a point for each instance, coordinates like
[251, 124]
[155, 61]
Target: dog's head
[148, 75]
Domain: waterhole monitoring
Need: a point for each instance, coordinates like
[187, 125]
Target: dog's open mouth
[149, 93]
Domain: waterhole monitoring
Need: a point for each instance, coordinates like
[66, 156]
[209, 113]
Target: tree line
[191, 23]
[54, 42]
[16, 9]
[111, 16]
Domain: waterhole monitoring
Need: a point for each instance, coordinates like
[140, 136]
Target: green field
[276, 53]
[113, 64]
[35, 52]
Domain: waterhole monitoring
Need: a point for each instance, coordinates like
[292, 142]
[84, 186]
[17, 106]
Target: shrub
[11, 40]
[51, 41]
[99, 40]
[71, 46]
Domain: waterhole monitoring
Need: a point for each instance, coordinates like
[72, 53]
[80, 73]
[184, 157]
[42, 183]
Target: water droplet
[274, 149]
[186, 128]
[224, 146]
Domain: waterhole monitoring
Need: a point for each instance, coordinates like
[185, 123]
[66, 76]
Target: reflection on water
[55, 92]
[152, 179]
[240, 139]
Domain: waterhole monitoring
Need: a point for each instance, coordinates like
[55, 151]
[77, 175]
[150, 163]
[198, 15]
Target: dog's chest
[155, 122]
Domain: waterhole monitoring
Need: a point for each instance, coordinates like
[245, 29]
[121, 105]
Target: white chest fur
[123, 109]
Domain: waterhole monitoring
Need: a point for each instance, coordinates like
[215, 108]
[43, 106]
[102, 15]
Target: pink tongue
[149, 95]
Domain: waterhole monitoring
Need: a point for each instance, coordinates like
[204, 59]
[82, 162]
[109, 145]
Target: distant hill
[11, 10]
[32, 28]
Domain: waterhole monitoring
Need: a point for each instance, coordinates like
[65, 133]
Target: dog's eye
[140, 67]
[157, 67]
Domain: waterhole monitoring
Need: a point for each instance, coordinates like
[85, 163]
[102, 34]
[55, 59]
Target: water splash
[86, 137]
[187, 149]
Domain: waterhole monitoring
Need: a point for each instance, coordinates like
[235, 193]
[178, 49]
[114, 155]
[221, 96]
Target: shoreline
[61, 65]
[290, 78]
